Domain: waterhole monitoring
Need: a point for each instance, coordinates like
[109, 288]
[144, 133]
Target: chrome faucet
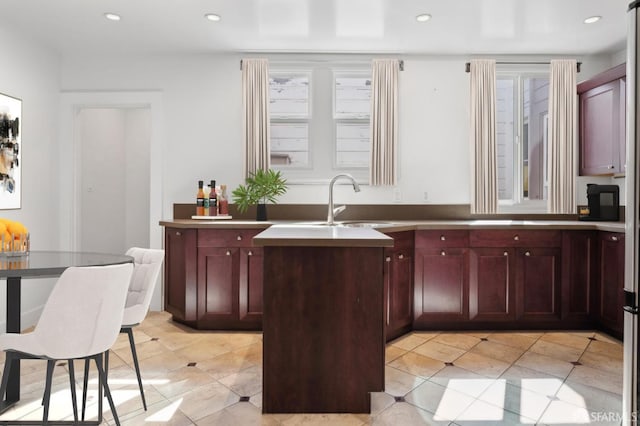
[333, 212]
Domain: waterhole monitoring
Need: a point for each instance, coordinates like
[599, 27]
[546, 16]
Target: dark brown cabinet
[515, 275]
[602, 102]
[579, 251]
[180, 293]
[214, 278]
[441, 285]
[398, 285]
[610, 286]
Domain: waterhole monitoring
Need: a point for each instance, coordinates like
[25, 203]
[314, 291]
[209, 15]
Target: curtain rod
[468, 64]
[400, 62]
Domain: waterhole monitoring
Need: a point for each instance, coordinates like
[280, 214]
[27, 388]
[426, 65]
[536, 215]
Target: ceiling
[457, 27]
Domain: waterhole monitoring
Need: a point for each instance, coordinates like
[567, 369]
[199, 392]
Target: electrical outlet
[397, 195]
[425, 196]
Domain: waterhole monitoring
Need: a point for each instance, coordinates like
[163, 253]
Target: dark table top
[52, 263]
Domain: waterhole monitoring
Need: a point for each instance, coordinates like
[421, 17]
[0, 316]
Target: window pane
[536, 105]
[352, 144]
[288, 96]
[506, 132]
[352, 97]
[290, 144]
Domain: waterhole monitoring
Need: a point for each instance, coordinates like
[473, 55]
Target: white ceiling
[460, 27]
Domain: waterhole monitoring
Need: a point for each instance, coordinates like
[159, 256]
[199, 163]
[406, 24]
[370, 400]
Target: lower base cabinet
[610, 285]
[213, 279]
[492, 285]
[398, 285]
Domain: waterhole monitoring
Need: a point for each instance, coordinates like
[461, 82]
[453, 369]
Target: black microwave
[603, 203]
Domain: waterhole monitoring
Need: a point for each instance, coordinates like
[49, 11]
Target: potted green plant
[260, 188]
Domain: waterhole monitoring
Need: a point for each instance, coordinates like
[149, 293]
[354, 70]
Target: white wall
[31, 73]
[203, 133]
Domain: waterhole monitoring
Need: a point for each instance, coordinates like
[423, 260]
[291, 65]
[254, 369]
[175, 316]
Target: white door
[114, 179]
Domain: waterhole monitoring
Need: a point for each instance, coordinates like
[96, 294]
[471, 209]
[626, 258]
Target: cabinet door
[180, 297]
[578, 274]
[440, 286]
[398, 279]
[218, 281]
[538, 283]
[250, 287]
[600, 130]
[611, 282]
[491, 284]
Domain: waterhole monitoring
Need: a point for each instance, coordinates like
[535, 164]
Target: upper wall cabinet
[602, 123]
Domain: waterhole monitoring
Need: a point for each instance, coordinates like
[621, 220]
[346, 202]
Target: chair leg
[5, 374]
[85, 384]
[72, 383]
[103, 379]
[47, 391]
[129, 332]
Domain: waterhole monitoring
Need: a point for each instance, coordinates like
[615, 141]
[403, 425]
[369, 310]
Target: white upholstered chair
[80, 320]
[147, 265]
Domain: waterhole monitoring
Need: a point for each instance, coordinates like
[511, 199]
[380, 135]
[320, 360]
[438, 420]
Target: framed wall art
[10, 152]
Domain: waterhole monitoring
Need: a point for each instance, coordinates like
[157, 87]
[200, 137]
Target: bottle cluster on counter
[213, 204]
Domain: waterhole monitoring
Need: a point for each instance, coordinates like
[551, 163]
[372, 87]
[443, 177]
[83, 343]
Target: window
[289, 115]
[319, 117]
[521, 115]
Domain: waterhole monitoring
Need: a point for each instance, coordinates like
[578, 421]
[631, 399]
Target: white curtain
[563, 107]
[255, 117]
[484, 171]
[384, 122]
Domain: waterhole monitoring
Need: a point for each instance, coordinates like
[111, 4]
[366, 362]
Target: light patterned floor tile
[481, 413]
[418, 365]
[601, 361]
[392, 352]
[399, 383]
[596, 378]
[462, 380]
[610, 349]
[545, 364]
[409, 341]
[240, 413]
[497, 351]
[515, 340]
[403, 413]
[593, 399]
[482, 365]
[439, 351]
[554, 350]
[444, 402]
[247, 382]
[457, 340]
[567, 339]
[516, 399]
[318, 419]
[542, 383]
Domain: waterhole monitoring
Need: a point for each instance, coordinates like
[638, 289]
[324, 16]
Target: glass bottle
[223, 202]
[200, 199]
[213, 200]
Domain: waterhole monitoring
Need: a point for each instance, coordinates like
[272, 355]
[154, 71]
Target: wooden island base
[323, 329]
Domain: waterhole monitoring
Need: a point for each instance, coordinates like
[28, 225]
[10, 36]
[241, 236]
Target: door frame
[71, 103]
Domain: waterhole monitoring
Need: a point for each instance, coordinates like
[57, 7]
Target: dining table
[40, 264]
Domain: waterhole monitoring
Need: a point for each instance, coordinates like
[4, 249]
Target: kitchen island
[323, 325]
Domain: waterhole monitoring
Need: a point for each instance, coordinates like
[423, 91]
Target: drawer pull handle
[527, 253]
[442, 238]
[250, 253]
[505, 254]
[228, 253]
[516, 238]
[442, 253]
[239, 238]
[387, 259]
[614, 238]
[178, 233]
[401, 256]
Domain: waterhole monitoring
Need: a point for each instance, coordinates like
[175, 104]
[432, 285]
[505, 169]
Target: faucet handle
[338, 210]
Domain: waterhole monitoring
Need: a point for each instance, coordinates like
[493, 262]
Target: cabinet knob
[527, 253]
[178, 233]
[228, 253]
[442, 238]
[387, 259]
[401, 256]
[442, 253]
[239, 238]
[505, 253]
[250, 253]
[610, 167]
[614, 238]
[516, 237]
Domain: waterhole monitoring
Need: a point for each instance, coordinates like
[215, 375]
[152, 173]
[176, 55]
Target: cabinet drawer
[401, 240]
[515, 238]
[442, 238]
[226, 237]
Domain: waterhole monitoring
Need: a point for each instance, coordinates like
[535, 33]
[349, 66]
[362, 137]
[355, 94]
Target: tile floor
[492, 378]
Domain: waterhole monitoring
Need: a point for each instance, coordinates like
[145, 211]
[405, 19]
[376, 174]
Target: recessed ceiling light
[592, 19]
[423, 17]
[112, 16]
[212, 17]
